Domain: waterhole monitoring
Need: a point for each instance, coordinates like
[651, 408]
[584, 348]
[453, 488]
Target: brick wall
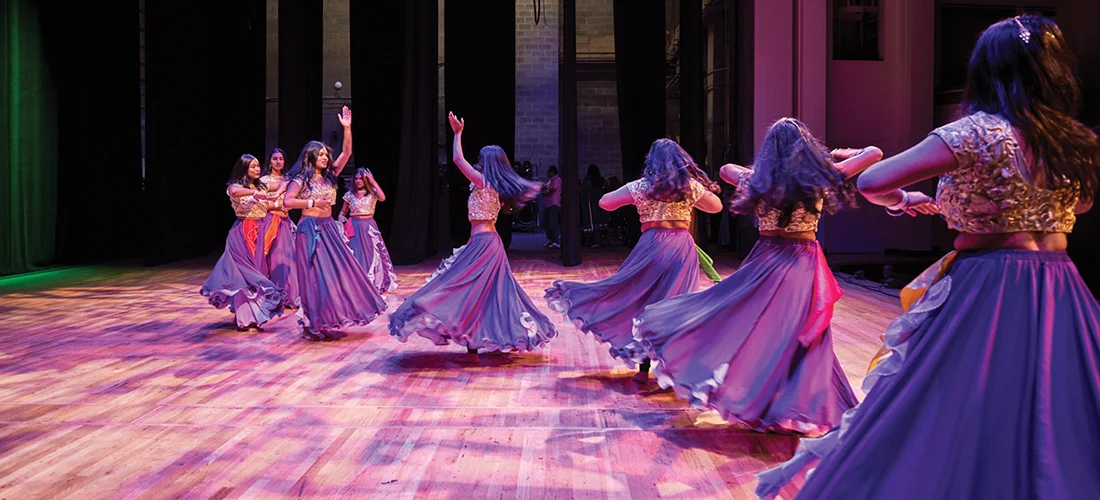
[537, 50]
[537, 84]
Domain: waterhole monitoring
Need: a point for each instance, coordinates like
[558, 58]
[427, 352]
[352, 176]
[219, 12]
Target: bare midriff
[483, 226]
[666, 224]
[1037, 241]
[797, 235]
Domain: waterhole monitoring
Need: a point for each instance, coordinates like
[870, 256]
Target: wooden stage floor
[124, 383]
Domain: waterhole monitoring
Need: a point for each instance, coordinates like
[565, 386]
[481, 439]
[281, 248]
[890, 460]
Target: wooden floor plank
[124, 383]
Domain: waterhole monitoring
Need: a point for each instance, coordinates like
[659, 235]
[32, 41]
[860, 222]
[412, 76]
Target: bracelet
[310, 202]
[898, 209]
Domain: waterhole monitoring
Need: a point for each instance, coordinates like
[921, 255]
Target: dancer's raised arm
[457, 125]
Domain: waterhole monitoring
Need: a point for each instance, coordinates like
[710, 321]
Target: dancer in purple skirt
[992, 387]
[335, 290]
[237, 280]
[757, 346]
[473, 299]
[364, 238]
[664, 263]
[279, 229]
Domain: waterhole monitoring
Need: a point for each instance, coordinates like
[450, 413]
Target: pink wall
[888, 104]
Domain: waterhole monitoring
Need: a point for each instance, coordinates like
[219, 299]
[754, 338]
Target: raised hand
[920, 203]
[457, 124]
[345, 117]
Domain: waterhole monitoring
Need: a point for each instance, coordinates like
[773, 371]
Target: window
[857, 31]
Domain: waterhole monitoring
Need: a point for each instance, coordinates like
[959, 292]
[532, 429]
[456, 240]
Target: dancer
[279, 229]
[237, 281]
[665, 262]
[364, 238]
[992, 389]
[335, 291]
[473, 299]
[757, 346]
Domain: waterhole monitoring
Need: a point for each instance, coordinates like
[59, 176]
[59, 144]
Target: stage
[122, 382]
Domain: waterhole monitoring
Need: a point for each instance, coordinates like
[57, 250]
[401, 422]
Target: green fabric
[28, 156]
[707, 264]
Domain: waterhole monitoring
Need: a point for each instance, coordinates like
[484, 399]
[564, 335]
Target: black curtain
[480, 74]
[640, 74]
[205, 95]
[567, 102]
[301, 49]
[398, 139]
[93, 56]
[692, 98]
[740, 48]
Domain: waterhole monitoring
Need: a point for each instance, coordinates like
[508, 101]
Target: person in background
[551, 211]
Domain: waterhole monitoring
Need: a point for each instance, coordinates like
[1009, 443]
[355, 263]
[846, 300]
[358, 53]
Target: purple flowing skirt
[237, 281]
[664, 264]
[370, 250]
[279, 263]
[756, 346]
[473, 299]
[992, 390]
[334, 288]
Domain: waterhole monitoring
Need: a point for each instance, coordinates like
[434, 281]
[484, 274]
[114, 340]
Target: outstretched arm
[851, 162]
[457, 125]
[617, 199]
[882, 183]
[731, 172]
[345, 151]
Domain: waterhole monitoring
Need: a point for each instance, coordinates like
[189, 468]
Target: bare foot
[641, 378]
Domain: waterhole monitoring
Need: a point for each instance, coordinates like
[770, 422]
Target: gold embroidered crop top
[483, 203]
[768, 218]
[272, 181]
[988, 192]
[650, 210]
[362, 207]
[317, 190]
[247, 207]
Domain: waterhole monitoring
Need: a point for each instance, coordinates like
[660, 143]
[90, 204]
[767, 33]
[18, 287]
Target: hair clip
[1025, 35]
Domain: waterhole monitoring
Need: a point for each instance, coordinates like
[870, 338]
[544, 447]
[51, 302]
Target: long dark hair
[239, 174]
[514, 190]
[793, 168]
[669, 170]
[303, 168]
[1022, 69]
[267, 166]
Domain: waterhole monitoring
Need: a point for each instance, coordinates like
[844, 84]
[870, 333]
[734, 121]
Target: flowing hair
[669, 171]
[1032, 85]
[303, 168]
[267, 166]
[239, 174]
[793, 169]
[514, 190]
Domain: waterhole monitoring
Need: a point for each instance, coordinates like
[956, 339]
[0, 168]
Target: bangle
[898, 209]
[310, 204]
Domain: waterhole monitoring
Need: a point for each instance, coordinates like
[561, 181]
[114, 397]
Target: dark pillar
[567, 116]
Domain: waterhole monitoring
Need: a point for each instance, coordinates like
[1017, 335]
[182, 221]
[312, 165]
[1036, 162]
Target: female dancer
[993, 386]
[664, 263]
[335, 290]
[365, 239]
[237, 280]
[473, 299]
[757, 346]
[279, 229]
